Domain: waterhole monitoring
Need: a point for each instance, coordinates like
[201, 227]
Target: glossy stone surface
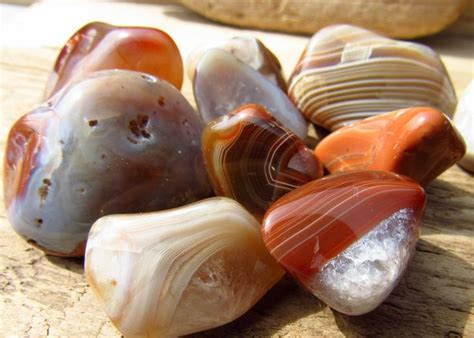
[417, 142]
[247, 49]
[253, 159]
[347, 73]
[179, 271]
[347, 237]
[100, 46]
[115, 142]
[222, 83]
[464, 121]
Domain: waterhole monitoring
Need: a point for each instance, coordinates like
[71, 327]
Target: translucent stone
[100, 46]
[417, 142]
[222, 83]
[253, 159]
[179, 271]
[347, 73]
[247, 49]
[464, 121]
[347, 237]
[117, 141]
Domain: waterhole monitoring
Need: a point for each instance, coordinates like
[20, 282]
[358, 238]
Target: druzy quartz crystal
[347, 73]
[115, 142]
[347, 237]
[100, 46]
[417, 142]
[179, 271]
[222, 83]
[255, 160]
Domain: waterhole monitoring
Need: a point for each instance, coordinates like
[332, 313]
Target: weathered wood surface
[48, 296]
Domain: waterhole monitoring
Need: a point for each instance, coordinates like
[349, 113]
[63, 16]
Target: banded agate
[117, 141]
[222, 83]
[464, 121]
[417, 142]
[179, 271]
[347, 73]
[347, 237]
[100, 46]
[247, 49]
[253, 159]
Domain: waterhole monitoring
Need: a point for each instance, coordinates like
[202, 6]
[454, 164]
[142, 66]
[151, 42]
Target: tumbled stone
[222, 83]
[175, 272]
[100, 46]
[464, 121]
[417, 142]
[347, 237]
[115, 142]
[247, 49]
[253, 159]
[347, 73]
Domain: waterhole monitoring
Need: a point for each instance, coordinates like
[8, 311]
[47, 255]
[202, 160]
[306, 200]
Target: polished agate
[253, 159]
[347, 237]
[222, 83]
[464, 121]
[179, 271]
[115, 142]
[247, 49]
[347, 73]
[417, 142]
[100, 46]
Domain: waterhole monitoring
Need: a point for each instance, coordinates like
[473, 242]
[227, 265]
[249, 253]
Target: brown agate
[253, 159]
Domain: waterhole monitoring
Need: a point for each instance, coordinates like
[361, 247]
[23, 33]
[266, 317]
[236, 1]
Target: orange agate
[100, 46]
[417, 142]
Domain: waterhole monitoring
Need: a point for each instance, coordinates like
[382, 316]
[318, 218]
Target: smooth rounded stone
[247, 49]
[347, 73]
[347, 237]
[417, 142]
[100, 46]
[402, 19]
[222, 83]
[179, 271]
[253, 159]
[464, 121]
[115, 142]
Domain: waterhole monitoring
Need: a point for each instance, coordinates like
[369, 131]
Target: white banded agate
[180, 271]
[347, 73]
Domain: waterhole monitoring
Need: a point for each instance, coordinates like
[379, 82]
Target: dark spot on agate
[93, 123]
[138, 127]
[161, 101]
[44, 189]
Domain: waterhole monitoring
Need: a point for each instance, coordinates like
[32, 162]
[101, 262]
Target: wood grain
[47, 296]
